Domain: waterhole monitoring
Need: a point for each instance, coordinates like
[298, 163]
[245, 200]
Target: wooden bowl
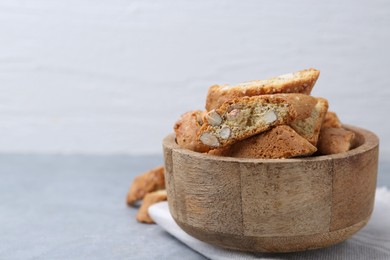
[272, 205]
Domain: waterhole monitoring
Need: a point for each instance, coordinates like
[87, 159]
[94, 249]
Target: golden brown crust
[298, 82]
[147, 182]
[334, 140]
[279, 142]
[187, 128]
[222, 151]
[331, 120]
[244, 117]
[149, 200]
[309, 128]
[302, 104]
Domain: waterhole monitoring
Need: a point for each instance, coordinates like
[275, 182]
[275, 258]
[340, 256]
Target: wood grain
[199, 187]
[277, 244]
[272, 205]
[287, 199]
[354, 182]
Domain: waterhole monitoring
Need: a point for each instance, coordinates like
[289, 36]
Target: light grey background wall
[84, 76]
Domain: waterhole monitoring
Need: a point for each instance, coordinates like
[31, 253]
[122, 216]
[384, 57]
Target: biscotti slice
[221, 151]
[331, 120]
[244, 117]
[334, 140]
[309, 128]
[187, 129]
[149, 200]
[279, 142]
[147, 182]
[298, 82]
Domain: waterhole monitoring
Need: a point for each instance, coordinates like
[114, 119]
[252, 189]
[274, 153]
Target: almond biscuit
[277, 143]
[334, 140]
[244, 117]
[187, 129]
[147, 182]
[309, 128]
[149, 200]
[298, 82]
[331, 120]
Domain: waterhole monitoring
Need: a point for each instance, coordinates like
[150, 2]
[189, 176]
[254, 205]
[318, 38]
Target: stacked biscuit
[274, 118]
[270, 119]
[149, 187]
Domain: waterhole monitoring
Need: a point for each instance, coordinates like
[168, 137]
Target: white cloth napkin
[372, 242]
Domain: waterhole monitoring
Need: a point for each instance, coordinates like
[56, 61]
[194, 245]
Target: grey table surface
[73, 207]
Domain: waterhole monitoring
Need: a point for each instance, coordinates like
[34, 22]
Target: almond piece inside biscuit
[232, 115]
[270, 117]
[213, 118]
[225, 132]
[209, 139]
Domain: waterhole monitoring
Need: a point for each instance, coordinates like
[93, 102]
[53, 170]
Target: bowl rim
[369, 142]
